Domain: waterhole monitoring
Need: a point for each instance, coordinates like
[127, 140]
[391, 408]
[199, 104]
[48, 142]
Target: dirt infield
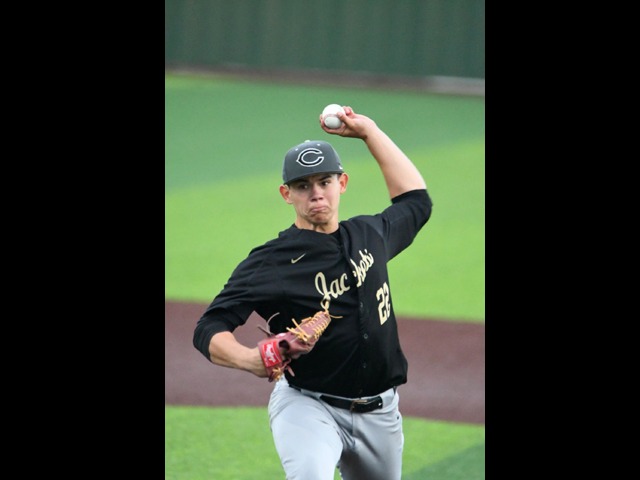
[446, 379]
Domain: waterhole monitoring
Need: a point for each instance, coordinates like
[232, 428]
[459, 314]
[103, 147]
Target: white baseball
[329, 116]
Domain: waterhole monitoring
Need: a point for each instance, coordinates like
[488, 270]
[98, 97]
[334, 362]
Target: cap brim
[312, 174]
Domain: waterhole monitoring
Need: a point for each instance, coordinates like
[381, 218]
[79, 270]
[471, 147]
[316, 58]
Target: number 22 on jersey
[384, 307]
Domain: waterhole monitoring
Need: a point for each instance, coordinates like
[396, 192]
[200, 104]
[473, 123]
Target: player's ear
[343, 179]
[286, 193]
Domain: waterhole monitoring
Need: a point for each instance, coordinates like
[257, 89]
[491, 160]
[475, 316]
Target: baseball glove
[277, 351]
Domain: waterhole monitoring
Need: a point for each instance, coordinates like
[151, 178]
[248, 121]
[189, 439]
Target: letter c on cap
[310, 157]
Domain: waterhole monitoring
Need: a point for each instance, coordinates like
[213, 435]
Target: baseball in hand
[329, 115]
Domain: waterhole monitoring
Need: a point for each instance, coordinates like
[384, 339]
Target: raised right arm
[400, 174]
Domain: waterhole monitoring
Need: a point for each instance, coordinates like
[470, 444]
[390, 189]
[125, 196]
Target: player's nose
[317, 191]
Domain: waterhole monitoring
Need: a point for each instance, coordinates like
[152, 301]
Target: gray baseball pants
[312, 437]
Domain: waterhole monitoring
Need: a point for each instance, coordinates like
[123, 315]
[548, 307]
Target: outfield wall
[411, 38]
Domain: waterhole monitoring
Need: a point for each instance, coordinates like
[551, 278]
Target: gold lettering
[360, 271]
[336, 288]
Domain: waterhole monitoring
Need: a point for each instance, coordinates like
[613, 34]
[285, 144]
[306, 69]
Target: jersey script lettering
[336, 288]
[361, 268]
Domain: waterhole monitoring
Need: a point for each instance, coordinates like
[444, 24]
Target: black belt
[358, 405]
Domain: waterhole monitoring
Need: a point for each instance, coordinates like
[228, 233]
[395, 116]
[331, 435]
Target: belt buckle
[358, 401]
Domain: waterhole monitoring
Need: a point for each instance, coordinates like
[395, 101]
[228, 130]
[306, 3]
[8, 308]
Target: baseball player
[332, 347]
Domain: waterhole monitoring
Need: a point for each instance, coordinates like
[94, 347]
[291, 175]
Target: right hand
[353, 125]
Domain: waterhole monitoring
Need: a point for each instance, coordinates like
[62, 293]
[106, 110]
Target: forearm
[226, 351]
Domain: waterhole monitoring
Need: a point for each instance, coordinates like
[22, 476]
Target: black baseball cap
[309, 158]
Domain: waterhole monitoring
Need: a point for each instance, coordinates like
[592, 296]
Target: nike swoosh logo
[294, 260]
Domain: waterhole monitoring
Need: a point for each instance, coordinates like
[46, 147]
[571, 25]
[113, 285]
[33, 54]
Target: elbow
[426, 210]
[202, 339]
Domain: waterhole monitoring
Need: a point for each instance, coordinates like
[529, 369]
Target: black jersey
[303, 271]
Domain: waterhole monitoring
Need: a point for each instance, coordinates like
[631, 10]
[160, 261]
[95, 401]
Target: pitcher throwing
[331, 348]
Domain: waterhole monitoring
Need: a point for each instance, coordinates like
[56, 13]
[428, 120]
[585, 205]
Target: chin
[319, 219]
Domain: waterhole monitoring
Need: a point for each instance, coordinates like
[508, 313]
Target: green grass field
[224, 144]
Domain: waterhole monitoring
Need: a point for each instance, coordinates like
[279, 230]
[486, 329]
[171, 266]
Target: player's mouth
[318, 210]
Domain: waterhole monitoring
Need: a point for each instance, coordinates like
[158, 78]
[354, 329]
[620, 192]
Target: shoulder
[271, 249]
[412, 209]
[411, 199]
